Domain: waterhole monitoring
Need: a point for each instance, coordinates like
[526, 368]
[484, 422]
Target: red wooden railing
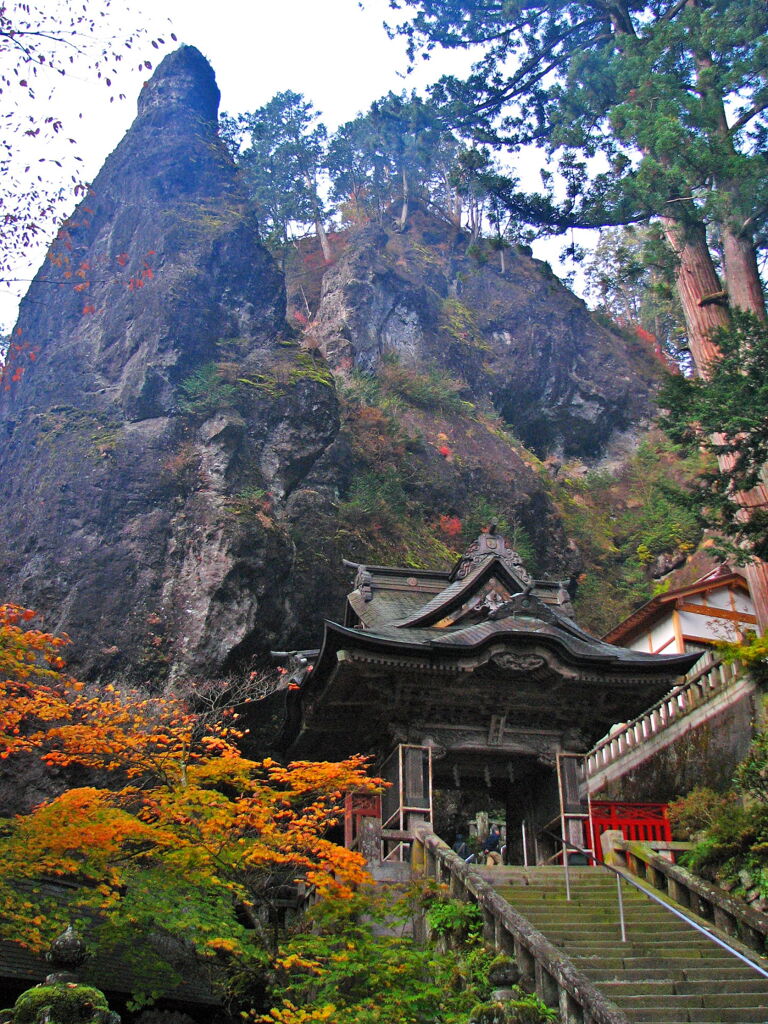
[642, 822]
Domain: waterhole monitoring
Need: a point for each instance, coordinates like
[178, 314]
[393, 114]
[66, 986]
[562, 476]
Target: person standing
[491, 847]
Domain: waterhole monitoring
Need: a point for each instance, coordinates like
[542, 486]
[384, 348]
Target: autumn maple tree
[164, 829]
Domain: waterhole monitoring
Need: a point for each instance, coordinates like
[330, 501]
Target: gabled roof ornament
[491, 544]
[525, 605]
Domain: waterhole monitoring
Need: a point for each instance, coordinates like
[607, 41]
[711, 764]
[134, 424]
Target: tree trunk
[698, 287]
[316, 212]
[745, 290]
[742, 279]
[406, 196]
[323, 238]
[455, 205]
[696, 280]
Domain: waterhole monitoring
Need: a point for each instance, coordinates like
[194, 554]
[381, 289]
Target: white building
[715, 607]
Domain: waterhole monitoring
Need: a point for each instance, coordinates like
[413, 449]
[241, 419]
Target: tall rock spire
[129, 423]
[157, 265]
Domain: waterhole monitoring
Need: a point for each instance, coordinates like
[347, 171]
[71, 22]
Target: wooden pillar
[513, 815]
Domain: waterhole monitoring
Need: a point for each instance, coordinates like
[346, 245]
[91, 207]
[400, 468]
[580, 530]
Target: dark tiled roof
[108, 972]
[573, 648]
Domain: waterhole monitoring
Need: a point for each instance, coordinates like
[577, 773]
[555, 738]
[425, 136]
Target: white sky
[335, 52]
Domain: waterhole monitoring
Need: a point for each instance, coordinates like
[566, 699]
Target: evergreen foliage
[726, 413]
[280, 148]
[642, 83]
[205, 391]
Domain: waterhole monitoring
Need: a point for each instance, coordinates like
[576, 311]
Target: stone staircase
[666, 972]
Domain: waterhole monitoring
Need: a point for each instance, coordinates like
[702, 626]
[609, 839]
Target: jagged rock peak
[184, 78]
[158, 285]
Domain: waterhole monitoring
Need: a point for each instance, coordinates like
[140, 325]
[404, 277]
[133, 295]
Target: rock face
[518, 338]
[133, 460]
[181, 475]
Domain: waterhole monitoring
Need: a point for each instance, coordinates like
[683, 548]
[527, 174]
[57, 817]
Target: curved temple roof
[488, 614]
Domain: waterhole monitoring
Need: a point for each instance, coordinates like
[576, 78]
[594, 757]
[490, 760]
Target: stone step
[754, 984]
[540, 871]
[558, 888]
[670, 961]
[666, 972]
[667, 959]
[692, 944]
[704, 975]
[605, 897]
[695, 1015]
[637, 909]
[673, 958]
[592, 912]
[661, 988]
[590, 923]
[611, 945]
[725, 1000]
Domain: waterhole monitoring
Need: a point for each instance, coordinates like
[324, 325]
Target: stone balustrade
[710, 678]
[733, 917]
[543, 967]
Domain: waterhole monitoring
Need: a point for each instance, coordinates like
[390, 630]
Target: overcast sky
[336, 52]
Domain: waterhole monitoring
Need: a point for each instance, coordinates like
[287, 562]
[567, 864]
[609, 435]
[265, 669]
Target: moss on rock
[61, 1003]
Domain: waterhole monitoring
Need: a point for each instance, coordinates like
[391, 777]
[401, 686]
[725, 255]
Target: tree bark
[406, 195]
[323, 238]
[697, 281]
[742, 278]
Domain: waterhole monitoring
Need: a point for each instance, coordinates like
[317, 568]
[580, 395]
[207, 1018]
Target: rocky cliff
[512, 331]
[181, 473]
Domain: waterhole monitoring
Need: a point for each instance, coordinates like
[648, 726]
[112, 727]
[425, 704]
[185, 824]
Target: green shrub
[446, 916]
[693, 814]
[751, 776]
[752, 651]
[734, 849]
[205, 391]
[429, 389]
[308, 367]
[353, 957]
[377, 493]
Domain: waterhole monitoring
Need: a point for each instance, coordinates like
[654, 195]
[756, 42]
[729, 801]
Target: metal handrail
[620, 876]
